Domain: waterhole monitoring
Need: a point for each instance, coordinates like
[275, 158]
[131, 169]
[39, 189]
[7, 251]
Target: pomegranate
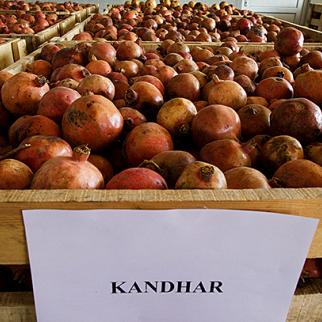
[99, 67]
[73, 172]
[128, 50]
[225, 154]
[278, 71]
[131, 117]
[184, 85]
[185, 66]
[145, 141]
[40, 67]
[289, 41]
[269, 62]
[73, 71]
[313, 58]
[314, 152]
[4, 75]
[274, 88]
[227, 93]
[202, 78]
[26, 126]
[42, 148]
[222, 71]
[48, 52]
[246, 178]
[102, 51]
[68, 56]
[299, 118]
[152, 80]
[55, 102]
[255, 119]
[257, 100]
[172, 59]
[127, 67]
[201, 175]
[121, 88]
[280, 149]
[137, 178]
[83, 36]
[176, 116]
[92, 120]
[246, 83]
[307, 85]
[302, 69]
[254, 146]
[244, 65]
[103, 165]
[22, 92]
[14, 174]
[97, 84]
[215, 122]
[298, 174]
[169, 164]
[144, 97]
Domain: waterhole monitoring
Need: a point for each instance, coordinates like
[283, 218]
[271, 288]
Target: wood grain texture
[306, 305]
[302, 202]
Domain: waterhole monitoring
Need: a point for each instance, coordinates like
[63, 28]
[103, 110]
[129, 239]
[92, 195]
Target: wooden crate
[11, 51]
[310, 34]
[303, 202]
[56, 30]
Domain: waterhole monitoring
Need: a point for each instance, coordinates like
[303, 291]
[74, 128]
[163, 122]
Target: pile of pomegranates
[26, 23]
[149, 21]
[40, 6]
[178, 116]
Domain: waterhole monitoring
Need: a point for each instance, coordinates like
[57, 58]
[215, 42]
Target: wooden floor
[306, 305]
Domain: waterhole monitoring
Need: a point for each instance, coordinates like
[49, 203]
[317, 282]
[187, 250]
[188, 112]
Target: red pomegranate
[69, 172]
[55, 102]
[42, 148]
[145, 141]
[137, 178]
[92, 120]
[22, 92]
[201, 175]
[215, 122]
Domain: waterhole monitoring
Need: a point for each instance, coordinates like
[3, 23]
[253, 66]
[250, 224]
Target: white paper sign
[165, 266]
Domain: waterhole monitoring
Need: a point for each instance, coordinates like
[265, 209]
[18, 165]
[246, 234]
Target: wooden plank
[79, 27]
[17, 306]
[317, 8]
[6, 54]
[67, 24]
[19, 48]
[302, 202]
[305, 307]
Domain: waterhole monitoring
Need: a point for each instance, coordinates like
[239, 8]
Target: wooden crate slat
[303, 202]
[79, 27]
[6, 54]
[305, 306]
